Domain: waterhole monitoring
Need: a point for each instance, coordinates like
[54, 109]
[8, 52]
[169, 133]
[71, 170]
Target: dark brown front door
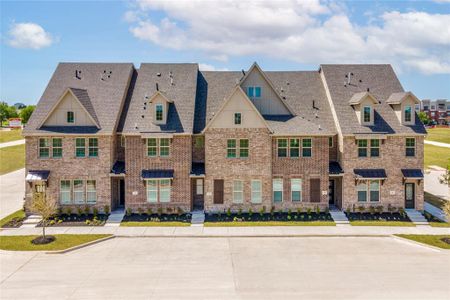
[198, 191]
[409, 195]
[331, 192]
[218, 191]
[314, 185]
[121, 192]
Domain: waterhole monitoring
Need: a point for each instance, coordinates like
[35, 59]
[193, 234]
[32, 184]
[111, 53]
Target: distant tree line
[15, 111]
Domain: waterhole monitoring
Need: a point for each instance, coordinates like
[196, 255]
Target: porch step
[339, 217]
[198, 218]
[416, 217]
[115, 218]
[31, 221]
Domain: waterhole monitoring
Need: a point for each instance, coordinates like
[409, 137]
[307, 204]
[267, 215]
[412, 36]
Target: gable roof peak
[357, 98]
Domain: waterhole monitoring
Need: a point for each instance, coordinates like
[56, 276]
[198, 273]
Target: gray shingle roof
[382, 83]
[105, 95]
[182, 92]
[299, 89]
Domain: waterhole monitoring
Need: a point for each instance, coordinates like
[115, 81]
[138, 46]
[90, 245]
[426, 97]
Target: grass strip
[268, 223]
[382, 223]
[20, 214]
[154, 224]
[433, 240]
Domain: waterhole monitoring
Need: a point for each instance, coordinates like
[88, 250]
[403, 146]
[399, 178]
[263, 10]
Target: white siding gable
[58, 116]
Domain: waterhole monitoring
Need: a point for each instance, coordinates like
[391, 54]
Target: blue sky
[280, 35]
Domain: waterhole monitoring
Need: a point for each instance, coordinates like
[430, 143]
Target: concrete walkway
[437, 144]
[256, 231]
[13, 143]
[12, 191]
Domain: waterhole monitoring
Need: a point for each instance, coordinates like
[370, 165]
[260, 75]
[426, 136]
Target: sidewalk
[13, 143]
[12, 191]
[439, 144]
[199, 231]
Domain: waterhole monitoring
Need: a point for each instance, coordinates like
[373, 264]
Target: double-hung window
[57, 147]
[374, 189]
[91, 192]
[367, 111]
[237, 118]
[243, 148]
[152, 147]
[158, 190]
[296, 189]
[294, 147]
[65, 192]
[238, 191]
[159, 112]
[233, 151]
[256, 191]
[78, 191]
[306, 147]
[362, 148]
[231, 148]
[374, 148]
[361, 188]
[277, 188]
[282, 148]
[164, 147]
[70, 117]
[80, 147]
[157, 147]
[408, 114]
[93, 147]
[368, 191]
[410, 147]
[44, 147]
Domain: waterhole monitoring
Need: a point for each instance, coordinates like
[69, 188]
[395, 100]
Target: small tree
[445, 178]
[44, 206]
[446, 210]
[26, 112]
[424, 117]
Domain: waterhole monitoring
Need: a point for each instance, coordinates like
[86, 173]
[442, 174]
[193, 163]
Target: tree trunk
[43, 229]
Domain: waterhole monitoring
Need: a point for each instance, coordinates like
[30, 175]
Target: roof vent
[243, 72]
[158, 74]
[314, 104]
[171, 77]
[106, 75]
[316, 115]
[78, 74]
[288, 83]
[142, 116]
[157, 87]
[135, 126]
[320, 128]
[368, 89]
[349, 78]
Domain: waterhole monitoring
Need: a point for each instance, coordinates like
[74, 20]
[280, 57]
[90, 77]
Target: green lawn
[269, 223]
[433, 240]
[12, 158]
[12, 135]
[154, 224]
[434, 200]
[439, 224]
[437, 156]
[63, 241]
[382, 223]
[20, 214]
[441, 135]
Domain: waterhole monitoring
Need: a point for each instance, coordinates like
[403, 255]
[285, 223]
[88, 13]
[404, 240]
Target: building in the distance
[438, 110]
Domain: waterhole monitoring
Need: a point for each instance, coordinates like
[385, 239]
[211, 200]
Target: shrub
[272, 210]
[289, 212]
[159, 211]
[106, 209]
[379, 209]
[299, 210]
[129, 211]
[169, 210]
[229, 212]
[348, 209]
[140, 210]
[327, 209]
[289, 217]
[68, 211]
[401, 211]
[446, 210]
[79, 211]
[149, 211]
[391, 208]
[250, 212]
[239, 211]
[262, 211]
[317, 209]
[87, 209]
[180, 211]
[361, 208]
[372, 210]
[308, 210]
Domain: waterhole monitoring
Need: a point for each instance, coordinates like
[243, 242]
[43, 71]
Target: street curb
[417, 243]
[253, 236]
[80, 246]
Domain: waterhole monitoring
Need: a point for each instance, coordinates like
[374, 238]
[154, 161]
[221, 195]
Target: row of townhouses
[171, 136]
[438, 110]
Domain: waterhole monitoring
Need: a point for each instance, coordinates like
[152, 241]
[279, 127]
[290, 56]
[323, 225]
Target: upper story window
[410, 147]
[254, 91]
[70, 117]
[80, 147]
[159, 112]
[50, 147]
[158, 147]
[364, 145]
[44, 147]
[367, 114]
[57, 149]
[233, 151]
[237, 118]
[291, 147]
[408, 114]
[81, 144]
[93, 147]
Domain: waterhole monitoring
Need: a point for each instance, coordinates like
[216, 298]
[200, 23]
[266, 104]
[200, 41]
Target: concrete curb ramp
[80, 246]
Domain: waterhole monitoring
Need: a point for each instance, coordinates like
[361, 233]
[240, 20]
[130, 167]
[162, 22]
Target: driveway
[12, 191]
[231, 268]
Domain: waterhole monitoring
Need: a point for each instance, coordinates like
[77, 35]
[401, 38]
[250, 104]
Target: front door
[121, 192]
[331, 192]
[314, 185]
[218, 191]
[409, 195]
[198, 191]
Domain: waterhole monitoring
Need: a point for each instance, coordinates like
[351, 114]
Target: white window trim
[158, 190]
[156, 112]
[370, 115]
[90, 192]
[238, 191]
[66, 192]
[81, 191]
[273, 190]
[367, 190]
[300, 190]
[254, 192]
[158, 147]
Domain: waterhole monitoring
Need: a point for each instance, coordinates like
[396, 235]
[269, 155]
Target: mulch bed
[14, 223]
[157, 218]
[76, 220]
[431, 218]
[276, 216]
[40, 240]
[446, 240]
[377, 217]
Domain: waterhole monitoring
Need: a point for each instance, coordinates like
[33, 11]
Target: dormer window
[254, 92]
[237, 119]
[159, 109]
[70, 117]
[408, 114]
[367, 112]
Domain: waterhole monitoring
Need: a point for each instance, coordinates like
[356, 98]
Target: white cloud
[302, 31]
[29, 35]
[208, 67]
